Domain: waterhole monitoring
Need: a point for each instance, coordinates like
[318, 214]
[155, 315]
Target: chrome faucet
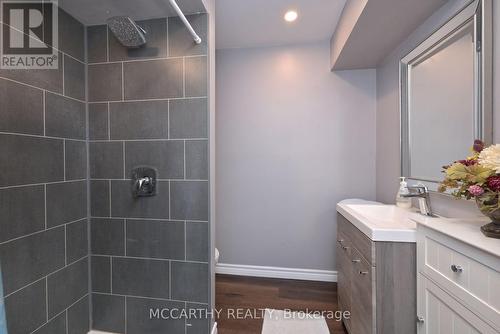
[424, 199]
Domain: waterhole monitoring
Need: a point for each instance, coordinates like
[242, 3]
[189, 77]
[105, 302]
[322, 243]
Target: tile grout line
[47, 297]
[63, 88]
[38, 136]
[147, 59]
[64, 160]
[37, 232]
[123, 82]
[141, 258]
[40, 184]
[40, 89]
[44, 110]
[153, 298]
[45, 203]
[65, 246]
[110, 211]
[166, 220]
[153, 99]
[109, 121]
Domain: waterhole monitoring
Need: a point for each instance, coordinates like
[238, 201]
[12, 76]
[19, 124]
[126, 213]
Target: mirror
[445, 96]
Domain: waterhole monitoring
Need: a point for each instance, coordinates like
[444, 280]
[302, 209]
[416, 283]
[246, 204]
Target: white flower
[490, 157]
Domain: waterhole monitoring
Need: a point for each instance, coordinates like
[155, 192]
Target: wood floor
[249, 293]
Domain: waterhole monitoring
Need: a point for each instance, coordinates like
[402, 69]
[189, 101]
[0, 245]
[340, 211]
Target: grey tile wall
[149, 252]
[43, 197]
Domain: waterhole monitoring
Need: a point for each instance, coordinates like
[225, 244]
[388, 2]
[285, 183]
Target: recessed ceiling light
[291, 16]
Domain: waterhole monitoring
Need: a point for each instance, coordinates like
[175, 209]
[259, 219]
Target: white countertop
[380, 222]
[465, 230]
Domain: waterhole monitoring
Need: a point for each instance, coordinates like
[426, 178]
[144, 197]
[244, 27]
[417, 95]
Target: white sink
[380, 222]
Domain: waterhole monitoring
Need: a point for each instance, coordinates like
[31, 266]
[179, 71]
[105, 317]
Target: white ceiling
[91, 12]
[255, 23]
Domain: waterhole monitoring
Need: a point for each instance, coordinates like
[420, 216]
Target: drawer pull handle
[356, 261]
[340, 241]
[420, 319]
[345, 248]
[363, 273]
[456, 268]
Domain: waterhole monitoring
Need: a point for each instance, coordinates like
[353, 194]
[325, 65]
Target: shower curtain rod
[193, 33]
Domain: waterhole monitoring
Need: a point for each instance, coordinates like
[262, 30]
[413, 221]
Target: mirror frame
[480, 12]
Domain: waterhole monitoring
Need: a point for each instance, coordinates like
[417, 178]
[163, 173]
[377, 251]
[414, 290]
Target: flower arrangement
[478, 177]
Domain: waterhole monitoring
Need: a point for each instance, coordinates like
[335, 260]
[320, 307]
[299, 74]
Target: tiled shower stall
[77, 250]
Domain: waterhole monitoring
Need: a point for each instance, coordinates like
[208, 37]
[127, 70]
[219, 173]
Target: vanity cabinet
[376, 282]
[458, 282]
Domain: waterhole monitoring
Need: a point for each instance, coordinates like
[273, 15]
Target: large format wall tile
[77, 240]
[97, 43]
[26, 310]
[29, 160]
[156, 46]
[133, 277]
[71, 36]
[98, 121]
[189, 200]
[22, 210]
[155, 239]
[101, 274]
[105, 82]
[139, 321]
[66, 202]
[106, 160]
[196, 76]
[123, 204]
[189, 118]
[51, 80]
[153, 79]
[75, 159]
[64, 117]
[28, 259]
[107, 236]
[56, 325]
[108, 313]
[22, 108]
[167, 157]
[180, 42]
[67, 286]
[78, 317]
[189, 281]
[197, 241]
[74, 78]
[99, 198]
[197, 159]
[139, 120]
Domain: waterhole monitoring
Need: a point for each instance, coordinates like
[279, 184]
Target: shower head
[127, 31]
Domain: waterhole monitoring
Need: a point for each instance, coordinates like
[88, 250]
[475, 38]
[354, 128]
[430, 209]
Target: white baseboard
[276, 272]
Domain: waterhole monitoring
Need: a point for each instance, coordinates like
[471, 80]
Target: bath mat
[285, 322]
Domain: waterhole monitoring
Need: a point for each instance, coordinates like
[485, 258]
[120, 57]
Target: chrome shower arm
[179, 12]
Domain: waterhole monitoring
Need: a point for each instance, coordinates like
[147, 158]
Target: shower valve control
[143, 182]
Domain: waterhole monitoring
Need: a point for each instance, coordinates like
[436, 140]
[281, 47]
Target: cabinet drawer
[362, 243]
[441, 313]
[461, 271]
[363, 296]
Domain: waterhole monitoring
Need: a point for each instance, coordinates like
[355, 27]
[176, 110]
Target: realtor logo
[29, 34]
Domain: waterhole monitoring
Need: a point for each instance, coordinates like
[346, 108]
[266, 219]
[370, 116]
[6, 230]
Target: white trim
[98, 332]
[214, 329]
[277, 272]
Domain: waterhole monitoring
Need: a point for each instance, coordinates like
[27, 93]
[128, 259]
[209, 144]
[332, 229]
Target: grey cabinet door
[362, 320]
[344, 275]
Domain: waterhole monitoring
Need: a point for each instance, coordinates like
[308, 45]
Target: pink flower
[476, 190]
[494, 183]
